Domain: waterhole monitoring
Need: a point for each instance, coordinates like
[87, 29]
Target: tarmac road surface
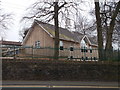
[59, 84]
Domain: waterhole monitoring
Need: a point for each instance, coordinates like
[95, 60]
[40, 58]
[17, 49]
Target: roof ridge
[41, 22]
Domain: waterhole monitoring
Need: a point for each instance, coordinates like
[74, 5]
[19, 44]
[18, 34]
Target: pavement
[59, 84]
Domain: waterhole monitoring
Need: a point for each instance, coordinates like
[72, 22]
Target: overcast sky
[17, 8]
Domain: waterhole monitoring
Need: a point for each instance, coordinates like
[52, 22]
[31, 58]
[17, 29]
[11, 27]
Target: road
[59, 84]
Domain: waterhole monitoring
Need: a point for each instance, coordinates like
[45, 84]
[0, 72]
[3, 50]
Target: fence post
[14, 51]
[118, 54]
[91, 53]
[32, 52]
[71, 52]
[84, 54]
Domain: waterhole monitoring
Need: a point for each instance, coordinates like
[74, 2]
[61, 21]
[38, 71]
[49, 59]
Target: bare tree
[83, 25]
[99, 30]
[23, 33]
[56, 45]
[5, 21]
[106, 19]
[117, 28]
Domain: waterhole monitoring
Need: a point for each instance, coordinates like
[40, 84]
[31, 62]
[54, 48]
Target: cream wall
[38, 34]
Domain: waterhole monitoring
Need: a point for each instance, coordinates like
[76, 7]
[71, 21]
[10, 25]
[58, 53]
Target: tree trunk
[56, 44]
[99, 31]
[108, 47]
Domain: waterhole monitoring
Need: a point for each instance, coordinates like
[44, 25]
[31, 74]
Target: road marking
[7, 86]
[50, 86]
[84, 87]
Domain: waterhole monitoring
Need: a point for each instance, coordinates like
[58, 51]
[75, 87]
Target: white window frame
[83, 46]
[61, 43]
[37, 44]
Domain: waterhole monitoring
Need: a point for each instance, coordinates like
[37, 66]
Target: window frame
[37, 44]
[61, 45]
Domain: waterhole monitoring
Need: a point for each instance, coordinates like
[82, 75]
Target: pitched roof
[78, 35]
[64, 34]
[10, 43]
[93, 40]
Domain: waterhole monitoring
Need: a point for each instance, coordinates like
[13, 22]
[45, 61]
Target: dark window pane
[61, 47]
[71, 48]
[90, 51]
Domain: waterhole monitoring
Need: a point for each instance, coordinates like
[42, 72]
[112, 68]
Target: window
[61, 45]
[83, 46]
[84, 49]
[37, 44]
[71, 48]
[90, 49]
[86, 58]
[95, 58]
[82, 58]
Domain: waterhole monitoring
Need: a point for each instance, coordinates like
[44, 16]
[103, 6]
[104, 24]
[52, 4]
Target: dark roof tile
[10, 43]
[65, 34]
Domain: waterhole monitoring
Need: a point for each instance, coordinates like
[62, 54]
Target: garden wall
[59, 70]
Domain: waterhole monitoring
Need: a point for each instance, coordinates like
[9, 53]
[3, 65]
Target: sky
[17, 8]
